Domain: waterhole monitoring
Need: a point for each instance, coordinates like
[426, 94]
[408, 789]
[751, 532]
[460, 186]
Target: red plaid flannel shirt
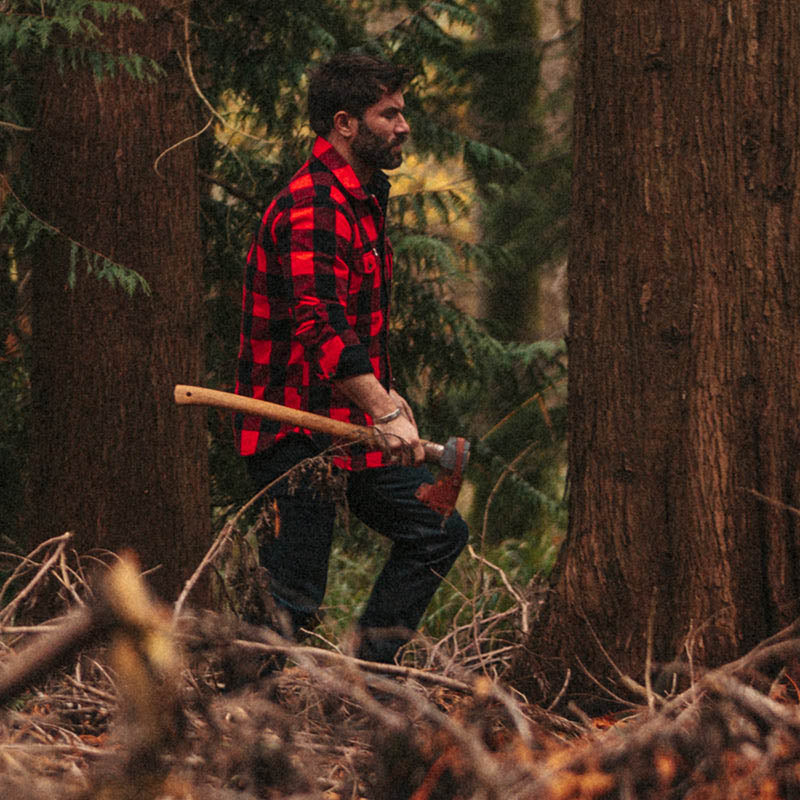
[315, 304]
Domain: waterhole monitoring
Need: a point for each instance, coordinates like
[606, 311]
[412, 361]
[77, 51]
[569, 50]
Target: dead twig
[507, 583]
[50, 650]
[562, 691]
[59, 542]
[300, 652]
[648, 663]
[626, 680]
[771, 501]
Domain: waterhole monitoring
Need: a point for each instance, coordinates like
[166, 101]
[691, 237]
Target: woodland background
[614, 183]
[141, 147]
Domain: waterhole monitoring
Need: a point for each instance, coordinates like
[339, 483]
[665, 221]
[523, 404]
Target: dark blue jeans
[424, 544]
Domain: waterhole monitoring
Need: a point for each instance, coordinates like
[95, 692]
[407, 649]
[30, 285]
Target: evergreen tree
[684, 348]
[103, 201]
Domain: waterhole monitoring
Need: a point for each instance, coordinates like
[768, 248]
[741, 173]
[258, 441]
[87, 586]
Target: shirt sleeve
[314, 243]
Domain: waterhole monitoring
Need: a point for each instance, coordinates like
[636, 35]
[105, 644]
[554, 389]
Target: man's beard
[374, 151]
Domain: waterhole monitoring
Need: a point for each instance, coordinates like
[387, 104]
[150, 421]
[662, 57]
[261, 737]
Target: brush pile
[123, 698]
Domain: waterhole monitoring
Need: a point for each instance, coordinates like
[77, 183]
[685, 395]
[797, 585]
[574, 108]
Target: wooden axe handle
[440, 496]
[200, 396]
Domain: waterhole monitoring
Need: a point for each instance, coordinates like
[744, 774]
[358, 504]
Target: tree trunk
[684, 343]
[113, 459]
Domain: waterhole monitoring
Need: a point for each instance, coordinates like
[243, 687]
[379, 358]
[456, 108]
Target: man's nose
[402, 125]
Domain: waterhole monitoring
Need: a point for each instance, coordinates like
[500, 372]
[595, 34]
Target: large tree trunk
[113, 459]
[684, 342]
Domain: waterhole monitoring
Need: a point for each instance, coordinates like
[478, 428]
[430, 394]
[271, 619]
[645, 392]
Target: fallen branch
[299, 652]
[60, 543]
[51, 650]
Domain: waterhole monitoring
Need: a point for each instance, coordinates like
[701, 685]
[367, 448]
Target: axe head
[442, 495]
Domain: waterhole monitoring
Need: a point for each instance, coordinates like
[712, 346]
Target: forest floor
[122, 698]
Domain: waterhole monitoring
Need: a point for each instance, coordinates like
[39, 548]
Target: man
[315, 336]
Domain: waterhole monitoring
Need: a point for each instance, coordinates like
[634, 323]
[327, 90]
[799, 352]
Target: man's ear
[345, 124]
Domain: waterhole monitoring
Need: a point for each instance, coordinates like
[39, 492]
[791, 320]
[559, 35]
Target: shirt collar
[345, 174]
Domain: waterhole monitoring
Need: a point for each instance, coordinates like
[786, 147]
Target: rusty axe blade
[451, 457]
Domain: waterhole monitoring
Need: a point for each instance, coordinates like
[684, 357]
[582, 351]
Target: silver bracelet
[388, 417]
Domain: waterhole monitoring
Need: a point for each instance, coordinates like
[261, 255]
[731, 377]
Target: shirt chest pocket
[366, 256]
[366, 261]
[364, 284]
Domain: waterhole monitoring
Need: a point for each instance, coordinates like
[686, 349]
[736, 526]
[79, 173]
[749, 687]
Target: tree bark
[684, 343]
[113, 459]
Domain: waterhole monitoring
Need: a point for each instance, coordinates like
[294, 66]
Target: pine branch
[99, 263]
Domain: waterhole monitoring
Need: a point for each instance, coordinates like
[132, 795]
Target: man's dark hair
[350, 82]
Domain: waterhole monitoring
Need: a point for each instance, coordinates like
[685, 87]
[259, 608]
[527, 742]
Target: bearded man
[315, 334]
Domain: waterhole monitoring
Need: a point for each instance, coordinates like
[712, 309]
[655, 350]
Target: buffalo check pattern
[315, 302]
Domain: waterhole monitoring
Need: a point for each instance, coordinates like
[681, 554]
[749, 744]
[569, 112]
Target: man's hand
[400, 435]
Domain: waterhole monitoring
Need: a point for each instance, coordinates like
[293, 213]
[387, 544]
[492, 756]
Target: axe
[451, 457]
